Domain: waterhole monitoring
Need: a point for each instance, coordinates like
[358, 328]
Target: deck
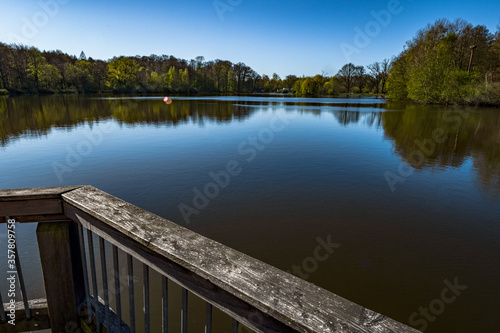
[76, 222]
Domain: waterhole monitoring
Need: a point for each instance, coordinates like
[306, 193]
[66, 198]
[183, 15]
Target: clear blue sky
[286, 37]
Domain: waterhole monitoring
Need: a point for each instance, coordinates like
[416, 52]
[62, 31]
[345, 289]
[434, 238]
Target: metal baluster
[130, 265]
[20, 278]
[90, 240]
[117, 289]
[235, 326]
[3, 316]
[184, 317]
[85, 272]
[104, 281]
[164, 282]
[208, 321]
[145, 270]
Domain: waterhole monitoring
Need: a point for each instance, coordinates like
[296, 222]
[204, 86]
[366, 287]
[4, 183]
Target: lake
[407, 196]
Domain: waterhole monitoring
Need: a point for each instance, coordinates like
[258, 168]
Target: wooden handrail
[243, 287]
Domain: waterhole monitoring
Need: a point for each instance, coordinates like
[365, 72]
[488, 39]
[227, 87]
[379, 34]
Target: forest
[446, 62]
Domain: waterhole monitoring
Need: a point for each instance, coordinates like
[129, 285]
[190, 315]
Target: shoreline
[6, 93]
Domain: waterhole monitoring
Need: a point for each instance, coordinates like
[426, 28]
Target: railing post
[62, 268]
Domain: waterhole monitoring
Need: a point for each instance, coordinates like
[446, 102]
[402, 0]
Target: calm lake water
[410, 194]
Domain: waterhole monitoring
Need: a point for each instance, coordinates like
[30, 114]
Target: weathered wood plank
[37, 218]
[203, 288]
[31, 207]
[223, 272]
[35, 193]
[62, 272]
[34, 304]
[39, 321]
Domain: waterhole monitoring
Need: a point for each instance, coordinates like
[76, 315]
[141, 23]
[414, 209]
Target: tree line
[447, 62]
[26, 69]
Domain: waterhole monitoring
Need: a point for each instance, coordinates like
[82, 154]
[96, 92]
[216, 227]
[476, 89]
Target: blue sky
[286, 37]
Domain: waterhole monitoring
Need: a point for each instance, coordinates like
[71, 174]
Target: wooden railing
[256, 295]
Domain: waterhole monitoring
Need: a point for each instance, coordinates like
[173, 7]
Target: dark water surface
[409, 194]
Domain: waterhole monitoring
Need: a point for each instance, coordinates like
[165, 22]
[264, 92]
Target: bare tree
[346, 74]
[360, 77]
[375, 74]
[241, 71]
[379, 72]
[385, 68]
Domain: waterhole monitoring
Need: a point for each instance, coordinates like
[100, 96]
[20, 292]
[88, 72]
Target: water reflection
[322, 175]
[438, 138]
[425, 137]
[34, 116]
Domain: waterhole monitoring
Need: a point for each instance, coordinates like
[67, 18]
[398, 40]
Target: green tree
[428, 76]
[79, 75]
[5, 66]
[289, 81]
[122, 73]
[50, 77]
[332, 86]
[171, 80]
[36, 64]
[443, 64]
[184, 80]
[154, 82]
[397, 82]
[308, 87]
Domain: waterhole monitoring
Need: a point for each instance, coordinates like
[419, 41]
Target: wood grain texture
[34, 304]
[34, 193]
[203, 288]
[37, 218]
[296, 303]
[62, 272]
[31, 207]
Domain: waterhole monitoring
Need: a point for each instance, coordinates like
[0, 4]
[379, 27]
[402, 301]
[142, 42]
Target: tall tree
[397, 82]
[289, 81]
[5, 61]
[385, 67]
[36, 63]
[347, 74]
[241, 72]
[375, 75]
[360, 77]
[496, 46]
